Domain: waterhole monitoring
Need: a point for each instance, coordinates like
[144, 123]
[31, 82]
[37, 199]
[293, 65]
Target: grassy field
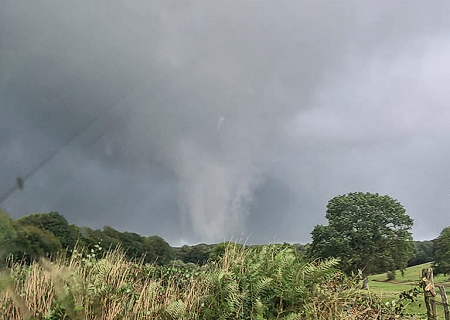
[390, 290]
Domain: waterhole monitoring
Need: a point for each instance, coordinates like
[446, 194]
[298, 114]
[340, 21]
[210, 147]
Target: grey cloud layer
[208, 120]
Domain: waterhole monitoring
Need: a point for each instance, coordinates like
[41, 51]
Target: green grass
[390, 290]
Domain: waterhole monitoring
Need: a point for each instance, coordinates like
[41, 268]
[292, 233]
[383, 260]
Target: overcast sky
[203, 121]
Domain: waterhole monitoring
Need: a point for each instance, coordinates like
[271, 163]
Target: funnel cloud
[203, 121]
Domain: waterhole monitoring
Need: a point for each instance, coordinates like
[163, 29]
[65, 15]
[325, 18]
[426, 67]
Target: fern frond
[292, 316]
[176, 309]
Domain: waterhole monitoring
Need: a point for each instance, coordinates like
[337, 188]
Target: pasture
[389, 290]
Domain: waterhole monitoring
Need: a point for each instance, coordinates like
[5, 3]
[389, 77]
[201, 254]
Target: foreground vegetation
[148, 279]
[264, 282]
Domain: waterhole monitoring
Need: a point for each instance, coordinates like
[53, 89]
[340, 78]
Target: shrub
[391, 275]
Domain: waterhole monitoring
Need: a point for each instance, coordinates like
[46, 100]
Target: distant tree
[198, 254]
[75, 235]
[391, 275]
[111, 232]
[91, 237]
[219, 249]
[7, 236]
[157, 250]
[55, 223]
[442, 253]
[423, 253]
[33, 243]
[367, 232]
[133, 244]
[302, 249]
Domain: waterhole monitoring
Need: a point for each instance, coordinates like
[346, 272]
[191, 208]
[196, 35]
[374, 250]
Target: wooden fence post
[429, 293]
[444, 302]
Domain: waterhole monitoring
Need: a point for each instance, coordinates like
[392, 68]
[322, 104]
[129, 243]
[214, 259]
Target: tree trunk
[365, 284]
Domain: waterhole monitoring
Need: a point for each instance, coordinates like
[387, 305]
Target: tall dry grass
[267, 283]
[111, 287]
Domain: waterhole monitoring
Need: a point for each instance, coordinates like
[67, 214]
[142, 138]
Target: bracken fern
[257, 283]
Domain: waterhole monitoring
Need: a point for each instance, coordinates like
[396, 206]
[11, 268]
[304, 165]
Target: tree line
[48, 234]
[368, 233]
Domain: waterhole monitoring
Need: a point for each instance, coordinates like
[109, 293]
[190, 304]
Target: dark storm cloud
[203, 121]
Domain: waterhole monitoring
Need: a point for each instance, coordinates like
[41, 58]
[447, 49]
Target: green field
[390, 290]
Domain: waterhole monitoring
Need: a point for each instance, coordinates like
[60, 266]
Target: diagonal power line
[74, 137]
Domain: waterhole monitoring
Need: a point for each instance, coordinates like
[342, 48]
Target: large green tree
[367, 232]
[442, 253]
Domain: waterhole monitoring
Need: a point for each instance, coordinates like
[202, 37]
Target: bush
[391, 275]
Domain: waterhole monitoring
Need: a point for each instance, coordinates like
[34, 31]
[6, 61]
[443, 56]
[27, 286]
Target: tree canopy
[55, 223]
[198, 254]
[366, 231]
[423, 253]
[157, 250]
[442, 253]
[33, 243]
[48, 234]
